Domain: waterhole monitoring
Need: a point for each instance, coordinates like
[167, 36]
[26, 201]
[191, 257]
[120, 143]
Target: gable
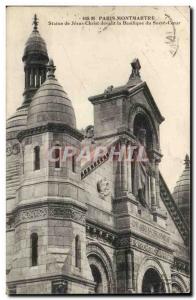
[141, 95]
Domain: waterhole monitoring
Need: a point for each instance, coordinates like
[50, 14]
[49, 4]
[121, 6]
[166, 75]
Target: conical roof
[51, 104]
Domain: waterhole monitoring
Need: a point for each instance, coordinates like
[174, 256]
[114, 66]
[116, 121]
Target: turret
[35, 60]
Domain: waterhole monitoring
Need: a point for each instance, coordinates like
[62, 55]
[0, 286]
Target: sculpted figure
[141, 169]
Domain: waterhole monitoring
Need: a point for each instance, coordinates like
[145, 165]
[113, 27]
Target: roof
[16, 122]
[51, 104]
[181, 193]
[35, 45]
[132, 87]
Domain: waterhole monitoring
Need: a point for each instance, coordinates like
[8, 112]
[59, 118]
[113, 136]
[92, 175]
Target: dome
[16, 123]
[181, 192]
[51, 104]
[35, 45]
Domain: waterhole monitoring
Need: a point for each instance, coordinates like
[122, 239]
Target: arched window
[34, 249]
[57, 153]
[152, 283]
[77, 252]
[37, 158]
[74, 163]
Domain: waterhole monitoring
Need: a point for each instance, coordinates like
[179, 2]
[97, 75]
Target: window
[74, 163]
[37, 158]
[77, 252]
[57, 156]
[34, 249]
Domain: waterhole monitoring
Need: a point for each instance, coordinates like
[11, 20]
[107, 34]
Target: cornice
[50, 127]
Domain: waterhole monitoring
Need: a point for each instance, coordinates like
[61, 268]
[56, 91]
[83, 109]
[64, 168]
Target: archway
[140, 117]
[100, 275]
[178, 284]
[151, 263]
[152, 282]
[176, 289]
[101, 268]
[97, 279]
[141, 122]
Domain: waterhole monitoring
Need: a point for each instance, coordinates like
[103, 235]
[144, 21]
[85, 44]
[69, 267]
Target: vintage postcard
[98, 150]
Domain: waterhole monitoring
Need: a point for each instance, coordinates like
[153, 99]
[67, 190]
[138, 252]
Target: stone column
[153, 191]
[129, 280]
[157, 182]
[129, 176]
[31, 78]
[124, 185]
[149, 191]
[37, 83]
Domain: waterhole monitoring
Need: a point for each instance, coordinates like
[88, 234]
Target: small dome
[16, 123]
[35, 45]
[51, 104]
[181, 192]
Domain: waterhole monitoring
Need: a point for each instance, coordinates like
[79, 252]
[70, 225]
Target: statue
[141, 170]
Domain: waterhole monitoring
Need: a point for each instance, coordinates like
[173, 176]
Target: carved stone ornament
[12, 149]
[103, 188]
[109, 89]
[143, 246]
[60, 211]
[59, 287]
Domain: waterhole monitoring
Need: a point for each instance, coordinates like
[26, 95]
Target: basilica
[107, 225]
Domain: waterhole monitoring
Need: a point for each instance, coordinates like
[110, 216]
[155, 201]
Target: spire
[134, 78]
[35, 23]
[187, 162]
[51, 69]
[35, 60]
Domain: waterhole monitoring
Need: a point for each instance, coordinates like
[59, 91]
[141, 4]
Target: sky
[89, 58]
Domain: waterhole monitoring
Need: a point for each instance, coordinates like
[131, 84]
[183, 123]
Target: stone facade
[97, 230]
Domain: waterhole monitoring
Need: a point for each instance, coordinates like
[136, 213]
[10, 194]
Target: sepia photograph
[98, 156]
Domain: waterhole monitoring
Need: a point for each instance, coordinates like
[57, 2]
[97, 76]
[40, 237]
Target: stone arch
[138, 109]
[154, 264]
[178, 284]
[100, 260]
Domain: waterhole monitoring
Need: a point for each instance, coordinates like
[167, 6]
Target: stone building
[106, 225]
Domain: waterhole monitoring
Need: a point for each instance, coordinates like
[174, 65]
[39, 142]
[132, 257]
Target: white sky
[88, 61]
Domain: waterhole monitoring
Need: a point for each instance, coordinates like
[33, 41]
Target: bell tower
[35, 60]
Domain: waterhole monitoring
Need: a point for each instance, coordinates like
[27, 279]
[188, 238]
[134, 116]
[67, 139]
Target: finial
[134, 78]
[187, 161]
[51, 69]
[135, 68]
[35, 23]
